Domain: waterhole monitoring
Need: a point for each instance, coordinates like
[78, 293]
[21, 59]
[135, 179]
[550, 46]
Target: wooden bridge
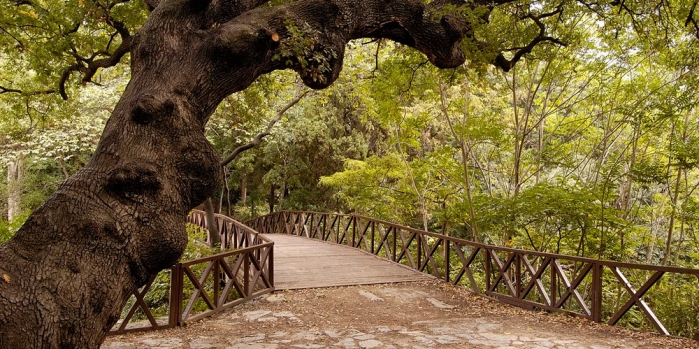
[289, 250]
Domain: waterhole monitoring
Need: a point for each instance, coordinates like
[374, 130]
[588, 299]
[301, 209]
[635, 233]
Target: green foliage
[302, 48]
[40, 40]
[8, 228]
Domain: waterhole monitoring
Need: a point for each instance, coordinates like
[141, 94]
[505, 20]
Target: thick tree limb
[221, 11]
[312, 35]
[487, 3]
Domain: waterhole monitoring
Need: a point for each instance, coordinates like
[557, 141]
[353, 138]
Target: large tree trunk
[69, 270]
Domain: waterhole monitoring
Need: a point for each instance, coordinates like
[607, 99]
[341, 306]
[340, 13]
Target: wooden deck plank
[306, 263]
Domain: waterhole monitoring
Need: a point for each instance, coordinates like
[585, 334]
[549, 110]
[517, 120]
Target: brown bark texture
[67, 273]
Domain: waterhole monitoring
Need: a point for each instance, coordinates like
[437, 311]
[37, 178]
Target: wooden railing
[205, 286]
[601, 291]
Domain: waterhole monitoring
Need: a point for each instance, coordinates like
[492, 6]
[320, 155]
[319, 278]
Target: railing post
[447, 269]
[395, 243]
[353, 221]
[237, 240]
[554, 286]
[301, 224]
[597, 270]
[217, 283]
[487, 269]
[270, 265]
[518, 275]
[284, 222]
[373, 237]
[175, 294]
[324, 233]
[419, 252]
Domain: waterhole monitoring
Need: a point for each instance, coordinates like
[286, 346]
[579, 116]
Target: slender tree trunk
[518, 140]
[675, 195]
[654, 228]
[623, 201]
[63, 168]
[244, 189]
[272, 198]
[680, 240]
[14, 188]
[465, 154]
[253, 214]
[422, 208]
[211, 226]
[540, 134]
[673, 213]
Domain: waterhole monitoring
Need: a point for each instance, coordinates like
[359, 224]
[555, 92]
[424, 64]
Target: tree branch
[109, 61]
[690, 19]
[312, 34]
[487, 3]
[221, 11]
[90, 65]
[9, 90]
[258, 139]
[19, 42]
[4, 90]
[23, 2]
[505, 64]
[152, 4]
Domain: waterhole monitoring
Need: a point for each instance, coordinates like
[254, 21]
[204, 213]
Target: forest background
[587, 147]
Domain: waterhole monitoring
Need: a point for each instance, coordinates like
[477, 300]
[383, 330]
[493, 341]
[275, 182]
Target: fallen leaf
[6, 278]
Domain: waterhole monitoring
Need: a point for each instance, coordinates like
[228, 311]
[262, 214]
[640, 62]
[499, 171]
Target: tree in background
[574, 150]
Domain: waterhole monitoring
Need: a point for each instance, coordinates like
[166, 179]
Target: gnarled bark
[69, 270]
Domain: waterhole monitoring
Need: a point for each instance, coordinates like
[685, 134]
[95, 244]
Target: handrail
[224, 280]
[528, 279]
[252, 223]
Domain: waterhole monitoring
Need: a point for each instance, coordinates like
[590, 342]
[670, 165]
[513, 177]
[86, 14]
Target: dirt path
[410, 315]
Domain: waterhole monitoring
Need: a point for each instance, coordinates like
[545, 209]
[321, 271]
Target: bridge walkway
[301, 263]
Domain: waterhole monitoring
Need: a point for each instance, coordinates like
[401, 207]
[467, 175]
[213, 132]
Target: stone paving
[411, 315]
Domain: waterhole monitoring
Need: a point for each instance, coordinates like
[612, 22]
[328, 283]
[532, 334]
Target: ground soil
[429, 314]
